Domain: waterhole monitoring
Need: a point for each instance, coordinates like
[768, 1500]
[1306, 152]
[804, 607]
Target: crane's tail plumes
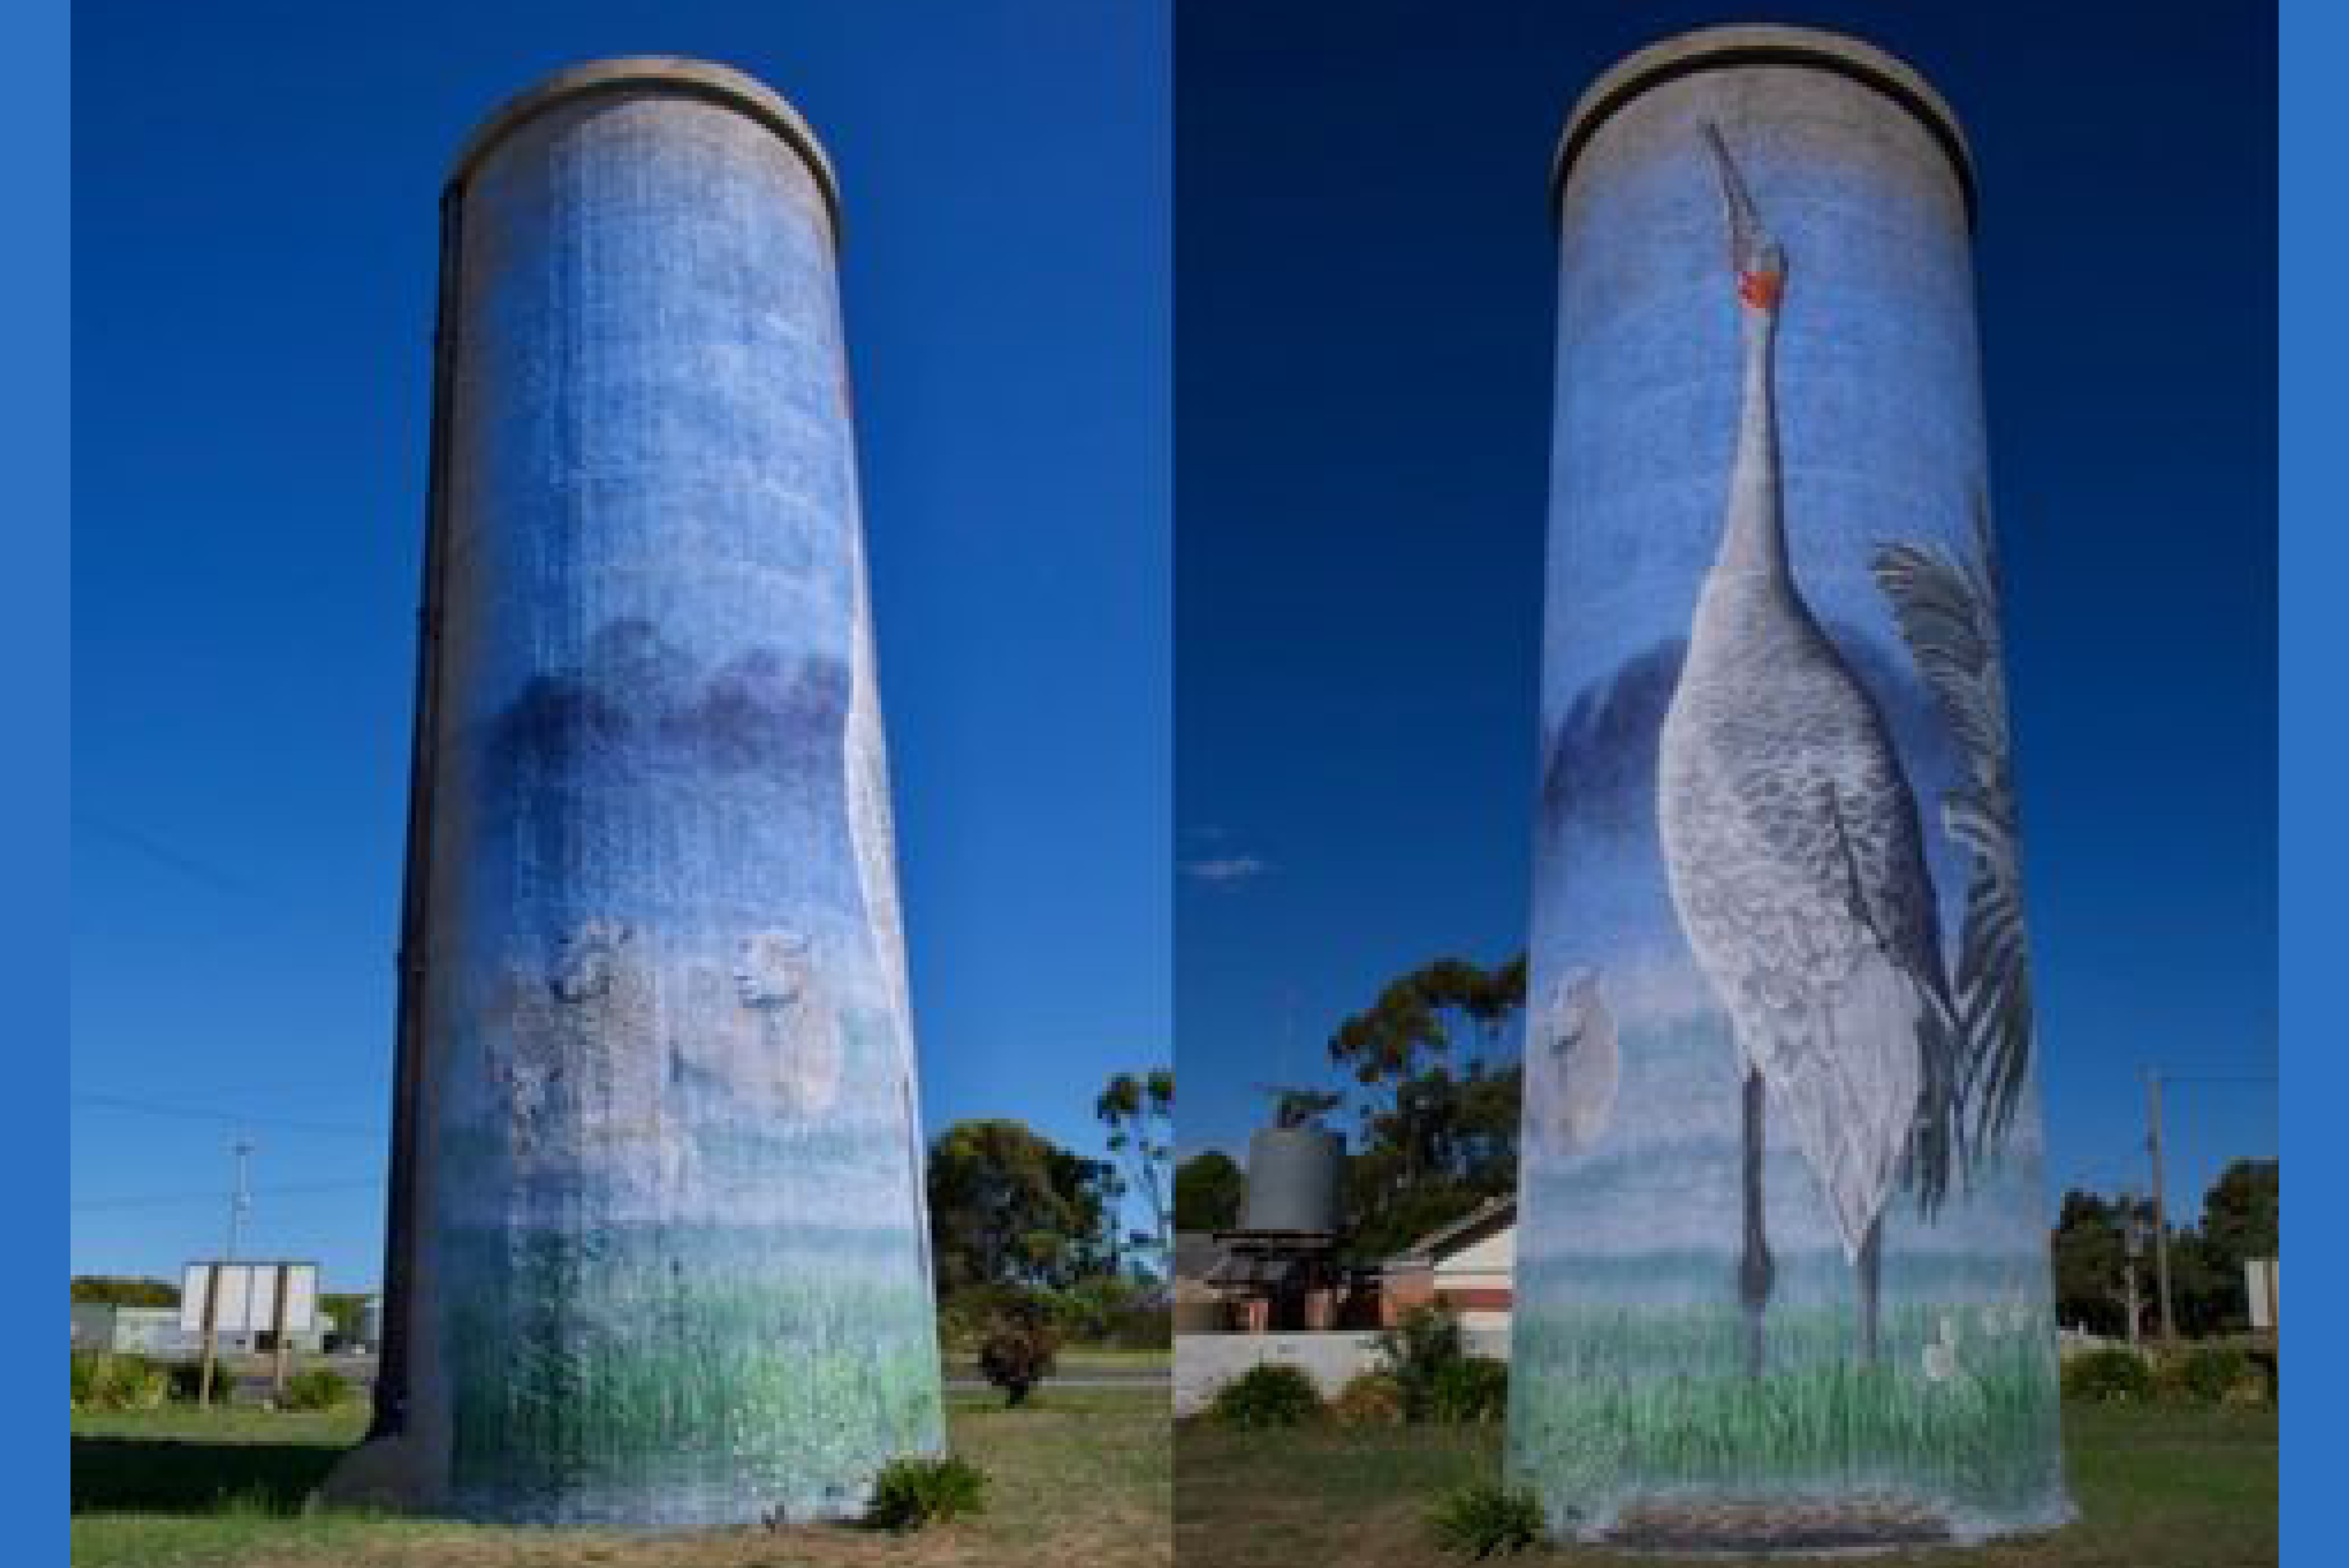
[1846, 1076]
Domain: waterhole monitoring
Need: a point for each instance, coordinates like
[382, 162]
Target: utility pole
[241, 1200]
[2132, 1248]
[238, 1202]
[2160, 1209]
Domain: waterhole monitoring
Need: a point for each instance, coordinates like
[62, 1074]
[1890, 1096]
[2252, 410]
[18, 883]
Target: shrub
[915, 1492]
[1268, 1394]
[187, 1381]
[1370, 1399]
[319, 1389]
[1088, 1311]
[1145, 1327]
[110, 1380]
[1484, 1520]
[1472, 1388]
[2204, 1376]
[2108, 1374]
[1418, 1348]
[1017, 1349]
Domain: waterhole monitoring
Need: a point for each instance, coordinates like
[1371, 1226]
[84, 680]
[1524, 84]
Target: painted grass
[669, 1392]
[1609, 1404]
[2157, 1487]
[1075, 1477]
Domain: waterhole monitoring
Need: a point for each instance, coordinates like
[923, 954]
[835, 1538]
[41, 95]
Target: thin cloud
[1227, 869]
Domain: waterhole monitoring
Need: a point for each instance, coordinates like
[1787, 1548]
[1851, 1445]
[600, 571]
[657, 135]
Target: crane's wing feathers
[1797, 866]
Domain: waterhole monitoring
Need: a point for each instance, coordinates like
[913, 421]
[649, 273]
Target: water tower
[657, 1254]
[1782, 1278]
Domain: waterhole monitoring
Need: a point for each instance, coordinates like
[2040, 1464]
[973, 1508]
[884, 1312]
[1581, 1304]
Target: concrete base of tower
[393, 1473]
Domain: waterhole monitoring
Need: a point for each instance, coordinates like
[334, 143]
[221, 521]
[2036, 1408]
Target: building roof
[1197, 1252]
[1491, 1214]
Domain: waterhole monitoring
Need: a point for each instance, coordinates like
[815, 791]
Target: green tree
[2240, 1221]
[121, 1290]
[1139, 1112]
[1010, 1207]
[1208, 1191]
[1304, 1106]
[2239, 1217]
[2089, 1253]
[1403, 1045]
[342, 1308]
[1439, 1134]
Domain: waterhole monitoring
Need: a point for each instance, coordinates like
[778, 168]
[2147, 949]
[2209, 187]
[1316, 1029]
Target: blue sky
[1365, 285]
[254, 242]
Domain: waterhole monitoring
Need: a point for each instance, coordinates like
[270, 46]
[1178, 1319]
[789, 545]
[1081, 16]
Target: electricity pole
[238, 1202]
[2132, 1248]
[241, 1200]
[2160, 1210]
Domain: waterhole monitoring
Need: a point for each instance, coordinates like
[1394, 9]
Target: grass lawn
[1084, 1362]
[1076, 1478]
[2157, 1487]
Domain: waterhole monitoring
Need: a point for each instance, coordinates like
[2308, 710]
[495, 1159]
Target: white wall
[1206, 1362]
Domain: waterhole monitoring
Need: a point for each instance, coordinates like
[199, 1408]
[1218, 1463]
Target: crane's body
[1792, 844]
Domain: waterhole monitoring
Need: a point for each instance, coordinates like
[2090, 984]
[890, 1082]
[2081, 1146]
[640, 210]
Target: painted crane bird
[1791, 842]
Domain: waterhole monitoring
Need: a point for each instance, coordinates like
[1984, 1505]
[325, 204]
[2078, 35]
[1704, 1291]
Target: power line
[161, 1199]
[194, 1113]
[191, 866]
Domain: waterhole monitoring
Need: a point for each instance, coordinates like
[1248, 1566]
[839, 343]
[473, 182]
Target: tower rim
[676, 75]
[1760, 44]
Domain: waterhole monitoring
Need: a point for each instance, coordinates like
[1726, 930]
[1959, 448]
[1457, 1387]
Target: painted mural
[1782, 1272]
[671, 1260]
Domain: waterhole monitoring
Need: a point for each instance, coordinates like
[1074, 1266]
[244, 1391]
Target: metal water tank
[1294, 1177]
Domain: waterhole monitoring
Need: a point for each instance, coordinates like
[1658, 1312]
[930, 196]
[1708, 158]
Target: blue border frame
[2312, 240]
[35, 123]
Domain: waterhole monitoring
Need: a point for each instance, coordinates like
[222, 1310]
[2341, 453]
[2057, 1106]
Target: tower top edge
[1760, 44]
[654, 76]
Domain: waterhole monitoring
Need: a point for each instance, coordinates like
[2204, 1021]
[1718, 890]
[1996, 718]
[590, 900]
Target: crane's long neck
[1754, 538]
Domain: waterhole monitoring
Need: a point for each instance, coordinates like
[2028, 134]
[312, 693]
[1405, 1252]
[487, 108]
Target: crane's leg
[1754, 1270]
[1871, 1274]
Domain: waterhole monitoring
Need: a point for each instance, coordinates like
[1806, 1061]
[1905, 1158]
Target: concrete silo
[1782, 1278]
[658, 1254]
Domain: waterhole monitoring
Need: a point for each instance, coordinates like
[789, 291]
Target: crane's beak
[1755, 258]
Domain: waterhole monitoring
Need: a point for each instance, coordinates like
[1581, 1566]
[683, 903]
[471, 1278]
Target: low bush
[1370, 1399]
[2108, 1374]
[1473, 1389]
[1268, 1394]
[2206, 1375]
[915, 1492]
[1145, 1327]
[1418, 1350]
[117, 1380]
[1017, 1351]
[1484, 1520]
[319, 1389]
[187, 1381]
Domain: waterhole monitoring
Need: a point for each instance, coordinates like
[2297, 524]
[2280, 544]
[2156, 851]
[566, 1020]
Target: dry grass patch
[1076, 1478]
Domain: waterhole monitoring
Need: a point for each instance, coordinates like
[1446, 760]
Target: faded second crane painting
[658, 1249]
[1783, 1281]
